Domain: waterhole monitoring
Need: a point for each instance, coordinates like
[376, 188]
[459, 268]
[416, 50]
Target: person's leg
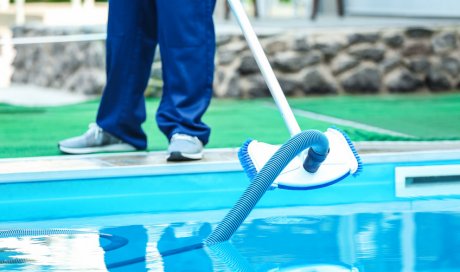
[314, 10]
[340, 8]
[187, 45]
[131, 42]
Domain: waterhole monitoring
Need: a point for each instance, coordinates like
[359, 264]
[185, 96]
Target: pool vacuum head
[342, 161]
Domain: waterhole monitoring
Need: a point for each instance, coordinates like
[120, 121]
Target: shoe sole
[179, 156]
[89, 150]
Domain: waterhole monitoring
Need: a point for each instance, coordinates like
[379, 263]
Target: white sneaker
[94, 140]
[184, 147]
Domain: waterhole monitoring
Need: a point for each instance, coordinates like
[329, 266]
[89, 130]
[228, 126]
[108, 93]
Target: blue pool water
[153, 222]
[285, 239]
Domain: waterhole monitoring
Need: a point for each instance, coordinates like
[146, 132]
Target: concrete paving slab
[107, 161]
[34, 96]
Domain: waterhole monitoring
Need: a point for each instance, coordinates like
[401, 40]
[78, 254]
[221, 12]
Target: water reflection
[181, 257]
[378, 241]
[226, 258]
[355, 242]
[358, 242]
[290, 243]
[437, 239]
[48, 250]
[129, 256]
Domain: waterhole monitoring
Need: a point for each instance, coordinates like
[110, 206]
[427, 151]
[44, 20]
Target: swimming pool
[138, 219]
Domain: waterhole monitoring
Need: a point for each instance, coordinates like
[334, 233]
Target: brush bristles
[246, 161]
[353, 149]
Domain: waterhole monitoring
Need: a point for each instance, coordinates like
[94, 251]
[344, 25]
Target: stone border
[406, 60]
[380, 61]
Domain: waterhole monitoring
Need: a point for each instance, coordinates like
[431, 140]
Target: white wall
[4, 4]
[431, 8]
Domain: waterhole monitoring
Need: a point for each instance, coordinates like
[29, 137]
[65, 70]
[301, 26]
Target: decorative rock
[419, 32]
[257, 86]
[156, 73]
[86, 81]
[317, 82]
[248, 66]
[311, 59]
[363, 38]
[419, 65]
[402, 81]
[289, 86]
[391, 63]
[94, 55]
[445, 42]
[364, 80]
[157, 56]
[236, 47]
[234, 89]
[438, 81]
[301, 44]
[343, 63]
[291, 62]
[416, 48]
[223, 39]
[329, 50]
[226, 57]
[394, 40]
[275, 46]
[46, 72]
[219, 76]
[79, 66]
[366, 52]
[450, 65]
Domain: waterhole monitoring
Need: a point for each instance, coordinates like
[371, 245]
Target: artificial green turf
[27, 132]
[427, 117]
[36, 131]
[232, 122]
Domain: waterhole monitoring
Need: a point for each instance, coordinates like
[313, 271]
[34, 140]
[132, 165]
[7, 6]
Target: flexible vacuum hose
[314, 139]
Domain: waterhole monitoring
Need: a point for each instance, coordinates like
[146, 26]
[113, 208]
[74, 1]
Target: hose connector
[313, 160]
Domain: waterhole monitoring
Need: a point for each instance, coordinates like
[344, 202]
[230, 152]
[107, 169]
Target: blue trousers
[184, 31]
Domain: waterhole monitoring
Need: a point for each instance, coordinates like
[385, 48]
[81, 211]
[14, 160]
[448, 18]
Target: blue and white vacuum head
[341, 161]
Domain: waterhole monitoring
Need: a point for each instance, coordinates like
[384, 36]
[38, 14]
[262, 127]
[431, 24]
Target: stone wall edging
[380, 61]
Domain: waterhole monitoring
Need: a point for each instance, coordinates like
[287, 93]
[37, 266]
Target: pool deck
[154, 163]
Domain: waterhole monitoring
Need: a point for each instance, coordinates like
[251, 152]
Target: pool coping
[108, 165]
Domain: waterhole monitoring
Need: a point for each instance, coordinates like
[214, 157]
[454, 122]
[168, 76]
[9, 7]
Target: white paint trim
[348, 123]
[414, 156]
[122, 171]
[54, 39]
